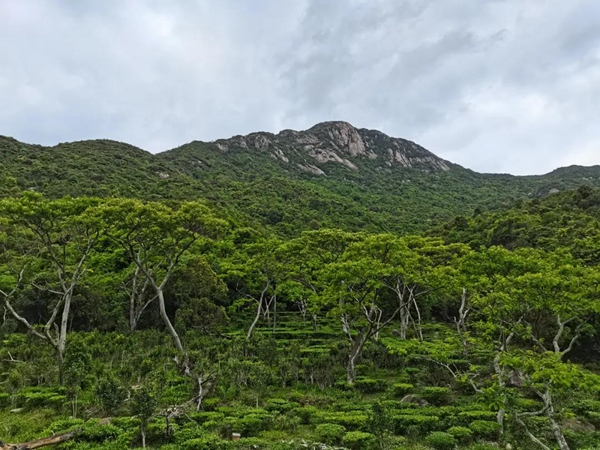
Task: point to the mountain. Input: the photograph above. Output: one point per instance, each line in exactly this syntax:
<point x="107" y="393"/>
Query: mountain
<point x="331" y="175"/>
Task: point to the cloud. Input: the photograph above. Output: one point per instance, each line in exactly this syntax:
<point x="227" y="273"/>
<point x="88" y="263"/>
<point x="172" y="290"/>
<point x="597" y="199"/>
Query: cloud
<point x="501" y="86"/>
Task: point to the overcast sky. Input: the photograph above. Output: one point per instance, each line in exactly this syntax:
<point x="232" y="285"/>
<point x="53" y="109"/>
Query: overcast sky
<point x="493" y="85"/>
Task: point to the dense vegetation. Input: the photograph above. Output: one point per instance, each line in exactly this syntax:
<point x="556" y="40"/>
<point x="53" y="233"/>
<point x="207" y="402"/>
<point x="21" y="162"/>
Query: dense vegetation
<point x="258" y="180"/>
<point x="174" y="324"/>
<point x="245" y="286"/>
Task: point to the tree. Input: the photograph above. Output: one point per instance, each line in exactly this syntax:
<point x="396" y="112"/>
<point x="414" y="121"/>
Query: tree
<point x="256" y="272"/>
<point x="57" y="237"/>
<point x="545" y="300"/>
<point x="143" y="405"/>
<point x="156" y="238"/>
<point x="304" y="260"/>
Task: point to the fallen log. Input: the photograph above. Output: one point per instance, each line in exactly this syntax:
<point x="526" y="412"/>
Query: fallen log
<point x="52" y="440"/>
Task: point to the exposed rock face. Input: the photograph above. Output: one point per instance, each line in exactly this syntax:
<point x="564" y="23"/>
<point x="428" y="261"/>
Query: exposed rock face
<point x="315" y="149"/>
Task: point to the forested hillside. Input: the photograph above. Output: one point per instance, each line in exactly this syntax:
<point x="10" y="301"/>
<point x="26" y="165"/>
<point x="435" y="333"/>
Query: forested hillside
<point x="330" y="176"/>
<point x="131" y="322"/>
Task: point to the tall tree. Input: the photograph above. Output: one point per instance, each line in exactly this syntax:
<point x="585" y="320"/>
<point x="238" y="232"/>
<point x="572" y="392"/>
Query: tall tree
<point x="156" y="237"/>
<point x="58" y="237"/>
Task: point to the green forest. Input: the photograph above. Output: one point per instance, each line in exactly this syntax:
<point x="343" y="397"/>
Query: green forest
<point x="166" y="322"/>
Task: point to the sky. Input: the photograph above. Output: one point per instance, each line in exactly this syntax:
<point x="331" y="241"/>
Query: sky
<point x="494" y="85"/>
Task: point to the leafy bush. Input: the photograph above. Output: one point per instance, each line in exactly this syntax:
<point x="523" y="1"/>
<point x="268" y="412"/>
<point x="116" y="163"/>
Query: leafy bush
<point x="469" y="416"/>
<point x="462" y="434"/>
<point x="483" y="446"/>
<point x="440" y="440"/>
<point x="437" y="395"/>
<point x="4" y="399"/>
<point x="209" y="442"/>
<point x="110" y="395"/>
<point x="485" y="429"/>
<point x="359" y="440"/>
<point x="414" y="424"/>
<point x="330" y="433"/>
<point x="210" y="404"/>
<point x="399" y="390"/>
<point x="306" y="413"/>
<point x="370" y="385"/>
<point x="281" y="405"/>
<point x="38" y="398"/>
<point x="585" y="406"/>
<point x="352" y="420"/>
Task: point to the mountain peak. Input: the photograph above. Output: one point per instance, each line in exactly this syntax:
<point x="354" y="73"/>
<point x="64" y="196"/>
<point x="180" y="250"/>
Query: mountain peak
<point x="326" y="144"/>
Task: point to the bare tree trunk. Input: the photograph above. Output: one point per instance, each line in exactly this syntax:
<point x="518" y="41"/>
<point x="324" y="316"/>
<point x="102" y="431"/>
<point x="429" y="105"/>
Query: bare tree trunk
<point x="556" y="429"/>
<point x="531" y="436"/>
<point x="461" y="322"/>
<point x="255" y="321"/>
<point x="167" y="321"/>
<point x="417" y="324"/>
<point x="53" y="440"/>
<point x="355" y="354"/>
<point x="501" y="384"/>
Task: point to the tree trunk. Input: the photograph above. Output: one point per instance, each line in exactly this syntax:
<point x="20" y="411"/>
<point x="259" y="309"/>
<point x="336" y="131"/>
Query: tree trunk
<point x="167" y="321"/>
<point x="354" y="356"/>
<point x="501" y="384"/>
<point x="556" y="429"/>
<point x="53" y="440"/>
<point x="255" y="321"/>
<point x="143" y="438"/>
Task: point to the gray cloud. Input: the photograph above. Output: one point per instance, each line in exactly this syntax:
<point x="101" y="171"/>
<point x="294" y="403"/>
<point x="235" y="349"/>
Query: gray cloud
<point x="502" y="86"/>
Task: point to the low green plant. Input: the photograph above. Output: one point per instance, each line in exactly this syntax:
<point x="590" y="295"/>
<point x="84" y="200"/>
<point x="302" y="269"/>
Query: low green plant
<point x="359" y="440"/>
<point x="462" y="434"/>
<point x="414" y="424"/>
<point x="370" y="385"/>
<point x="399" y="390"/>
<point x="437" y="395"/>
<point x="330" y="433"/>
<point x="441" y="440"/>
<point x="484" y="429"/>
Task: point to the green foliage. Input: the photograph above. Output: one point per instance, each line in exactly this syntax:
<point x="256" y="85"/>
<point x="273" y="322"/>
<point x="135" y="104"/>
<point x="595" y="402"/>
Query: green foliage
<point x="462" y="434"/>
<point x="484" y="429"/>
<point x="370" y="385"/>
<point x="441" y="441"/>
<point x="399" y="390"/>
<point x="414" y="423"/>
<point x="330" y="433"/>
<point x="359" y="440"/>
<point x="110" y="395"/>
<point x="436" y="395"/>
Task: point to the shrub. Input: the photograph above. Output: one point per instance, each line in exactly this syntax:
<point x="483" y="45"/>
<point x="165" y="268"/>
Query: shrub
<point x="370" y="385"/>
<point x="485" y="429"/>
<point x="352" y="420"/>
<point x="482" y="446"/>
<point x="585" y="406"/>
<point x="437" y="395"/>
<point x="440" y="440"/>
<point x="330" y="433"/>
<point x="359" y="440"/>
<point x="110" y="395"/>
<point x="281" y="405"/>
<point x="399" y="390"/>
<point x="286" y="422"/>
<point x="469" y="416"/>
<point x="414" y="424"/>
<point x="210" y="442"/>
<point x="210" y="404"/>
<point x="306" y="413"/>
<point x="462" y="434"/>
